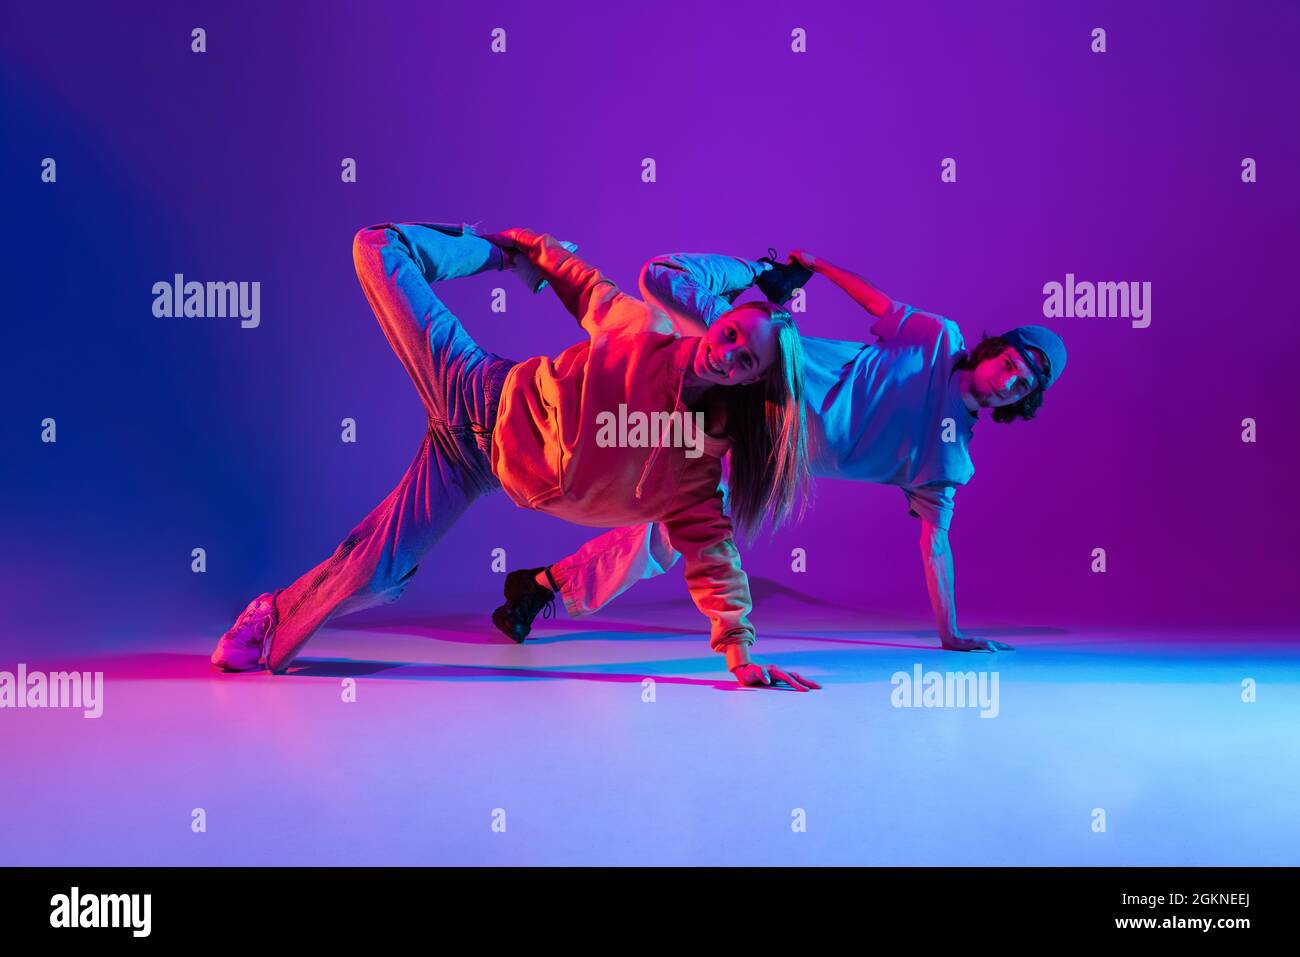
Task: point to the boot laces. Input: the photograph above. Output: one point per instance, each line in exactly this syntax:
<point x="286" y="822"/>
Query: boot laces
<point x="254" y="624"/>
<point x="547" y="605"/>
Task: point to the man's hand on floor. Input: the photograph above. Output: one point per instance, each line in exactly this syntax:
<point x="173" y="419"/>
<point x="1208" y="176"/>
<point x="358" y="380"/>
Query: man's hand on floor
<point x="961" y="642"/>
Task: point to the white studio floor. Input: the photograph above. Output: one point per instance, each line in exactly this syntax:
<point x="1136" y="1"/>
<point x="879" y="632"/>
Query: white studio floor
<point x="454" y="731"/>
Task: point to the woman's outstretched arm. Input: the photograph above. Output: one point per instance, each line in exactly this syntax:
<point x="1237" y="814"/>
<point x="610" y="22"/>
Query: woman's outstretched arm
<point x="720" y="589"/>
<point x="586" y="292"/>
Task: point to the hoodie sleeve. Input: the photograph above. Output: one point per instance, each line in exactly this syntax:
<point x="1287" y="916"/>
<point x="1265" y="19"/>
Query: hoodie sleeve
<point x="593" y="298"/>
<point x="718" y="584"/>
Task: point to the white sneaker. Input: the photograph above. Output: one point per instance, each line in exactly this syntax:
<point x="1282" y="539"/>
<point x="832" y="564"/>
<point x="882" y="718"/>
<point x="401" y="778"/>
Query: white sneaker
<point x="245" y="646"/>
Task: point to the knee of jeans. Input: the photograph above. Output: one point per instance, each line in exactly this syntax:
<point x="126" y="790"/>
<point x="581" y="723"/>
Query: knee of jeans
<point x="656" y="280"/>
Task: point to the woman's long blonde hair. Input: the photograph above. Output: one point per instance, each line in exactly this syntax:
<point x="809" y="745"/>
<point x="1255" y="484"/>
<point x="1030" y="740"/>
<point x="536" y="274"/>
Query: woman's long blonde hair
<point x="768" y="429"/>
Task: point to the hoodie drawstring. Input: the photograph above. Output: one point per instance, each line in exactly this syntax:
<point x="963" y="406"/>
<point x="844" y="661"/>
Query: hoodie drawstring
<point x="649" y="463"/>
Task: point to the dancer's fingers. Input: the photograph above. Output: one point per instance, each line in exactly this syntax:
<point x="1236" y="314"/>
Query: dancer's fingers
<point x="503" y="239"/>
<point x="779" y="675"/>
<point x="806" y="682"/>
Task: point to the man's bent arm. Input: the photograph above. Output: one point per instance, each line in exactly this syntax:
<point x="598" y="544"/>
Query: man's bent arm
<point x="863" y="293"/>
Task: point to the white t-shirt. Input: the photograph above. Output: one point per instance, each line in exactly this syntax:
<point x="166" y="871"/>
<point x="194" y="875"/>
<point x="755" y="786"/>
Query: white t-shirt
<point x="878" y="412"/>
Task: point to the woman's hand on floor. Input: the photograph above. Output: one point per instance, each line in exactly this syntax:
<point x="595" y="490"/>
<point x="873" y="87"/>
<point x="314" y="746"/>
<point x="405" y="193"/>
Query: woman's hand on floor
<point x="753" y="674"/>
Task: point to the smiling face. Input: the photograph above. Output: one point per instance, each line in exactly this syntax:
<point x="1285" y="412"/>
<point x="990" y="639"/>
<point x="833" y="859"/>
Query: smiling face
<point x="1003" y="379"/>
<point x="737" y="349"/>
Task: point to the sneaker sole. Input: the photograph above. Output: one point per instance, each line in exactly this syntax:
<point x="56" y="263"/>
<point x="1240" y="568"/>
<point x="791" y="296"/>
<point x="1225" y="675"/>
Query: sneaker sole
<point x="508" y="632"/>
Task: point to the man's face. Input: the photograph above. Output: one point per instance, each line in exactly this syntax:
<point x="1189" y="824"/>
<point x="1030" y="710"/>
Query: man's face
<point x="737" y="349"/>
<point x="1004" y="379"/>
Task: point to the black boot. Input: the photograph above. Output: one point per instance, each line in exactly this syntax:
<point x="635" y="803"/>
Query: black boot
<point x="779" y="283"/>
<point x="524" y="599"/>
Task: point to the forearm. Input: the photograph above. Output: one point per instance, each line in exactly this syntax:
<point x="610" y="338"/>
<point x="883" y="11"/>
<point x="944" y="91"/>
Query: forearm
<point x="575" y="282"/>
<point x="717" y="583"/>
<point x="720" y="590"/>
<point x="936" y="557"/>
<point x="862" y="292"/>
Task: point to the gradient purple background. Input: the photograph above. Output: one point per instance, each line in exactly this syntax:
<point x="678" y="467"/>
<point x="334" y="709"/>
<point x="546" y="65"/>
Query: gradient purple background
<point x="225" y="166"/>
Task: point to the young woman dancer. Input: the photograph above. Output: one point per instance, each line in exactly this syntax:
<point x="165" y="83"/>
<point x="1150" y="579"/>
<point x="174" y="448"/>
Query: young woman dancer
<point x="532" y="428"/>
<point x="898" y="411"/>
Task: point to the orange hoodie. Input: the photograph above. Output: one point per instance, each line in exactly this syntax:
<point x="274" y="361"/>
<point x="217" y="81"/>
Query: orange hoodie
<point x="546" y="454"/>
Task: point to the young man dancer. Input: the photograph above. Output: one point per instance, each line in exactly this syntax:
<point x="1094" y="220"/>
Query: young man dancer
<point x="898" y="411"/>
<point x="530" y="428"/>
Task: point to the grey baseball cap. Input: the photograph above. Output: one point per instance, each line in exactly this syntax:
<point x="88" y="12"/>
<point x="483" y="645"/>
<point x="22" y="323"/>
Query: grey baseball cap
<point x="1047" y="342"/>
